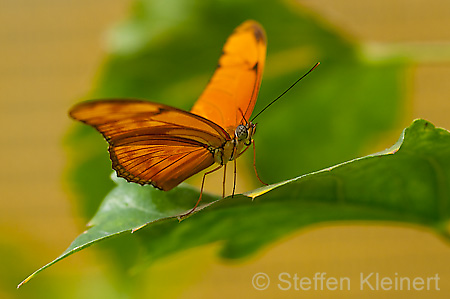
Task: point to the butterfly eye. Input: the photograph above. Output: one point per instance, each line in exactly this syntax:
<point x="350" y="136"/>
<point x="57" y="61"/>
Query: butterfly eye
<point x="241" y="132"/>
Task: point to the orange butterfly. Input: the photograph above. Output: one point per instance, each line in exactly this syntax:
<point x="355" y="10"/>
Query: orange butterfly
<point x="151" y="143"/>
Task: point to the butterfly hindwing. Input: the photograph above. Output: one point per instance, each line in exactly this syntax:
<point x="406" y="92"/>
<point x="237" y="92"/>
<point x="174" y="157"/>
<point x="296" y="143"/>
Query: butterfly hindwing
<point x="152" y="143"/>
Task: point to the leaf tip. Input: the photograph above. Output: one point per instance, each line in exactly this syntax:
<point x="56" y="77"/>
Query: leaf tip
<point x="25" y="280"/>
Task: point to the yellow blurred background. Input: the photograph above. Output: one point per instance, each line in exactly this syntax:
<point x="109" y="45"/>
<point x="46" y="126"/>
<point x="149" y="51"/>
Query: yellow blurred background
<point x="50" y="54"/>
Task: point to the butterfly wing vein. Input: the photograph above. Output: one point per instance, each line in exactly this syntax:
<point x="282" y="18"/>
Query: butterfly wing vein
<point x="150" y="143"/>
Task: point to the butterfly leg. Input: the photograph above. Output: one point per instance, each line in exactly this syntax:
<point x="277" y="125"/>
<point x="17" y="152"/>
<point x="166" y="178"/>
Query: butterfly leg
<point x="181" y="217"/>
<point x="254" y="163"/>
<point x="243" y="151"/>
<point x="223" y="182"/>
<point x="234" y="181"/>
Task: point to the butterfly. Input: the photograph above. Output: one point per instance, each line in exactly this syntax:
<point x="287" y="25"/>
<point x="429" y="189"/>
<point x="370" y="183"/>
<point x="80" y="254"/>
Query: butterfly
<point x="152" y="143"/>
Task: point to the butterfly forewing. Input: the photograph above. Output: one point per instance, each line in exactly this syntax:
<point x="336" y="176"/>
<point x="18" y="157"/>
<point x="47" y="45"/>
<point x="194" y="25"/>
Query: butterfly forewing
<point x="233" y="89"/>
<point x="152" y="143"/>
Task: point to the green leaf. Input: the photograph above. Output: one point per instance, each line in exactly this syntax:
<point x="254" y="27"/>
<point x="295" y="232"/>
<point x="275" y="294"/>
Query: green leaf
<point x="406" y="183"/>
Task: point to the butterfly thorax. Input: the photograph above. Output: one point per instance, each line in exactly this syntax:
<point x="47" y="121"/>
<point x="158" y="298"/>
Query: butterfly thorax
<point x="243" y="136"/>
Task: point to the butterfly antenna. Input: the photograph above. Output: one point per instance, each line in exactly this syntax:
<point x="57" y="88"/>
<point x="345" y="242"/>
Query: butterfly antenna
<point x="298" y="80"/>
<point x="243" y="117"/>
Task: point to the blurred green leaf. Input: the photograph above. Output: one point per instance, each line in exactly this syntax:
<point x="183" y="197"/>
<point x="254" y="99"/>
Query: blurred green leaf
<point x="406" y="183"/>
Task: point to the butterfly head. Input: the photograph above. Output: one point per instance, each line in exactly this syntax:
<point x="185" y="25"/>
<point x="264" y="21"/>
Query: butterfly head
<point x="244" y="133"/>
